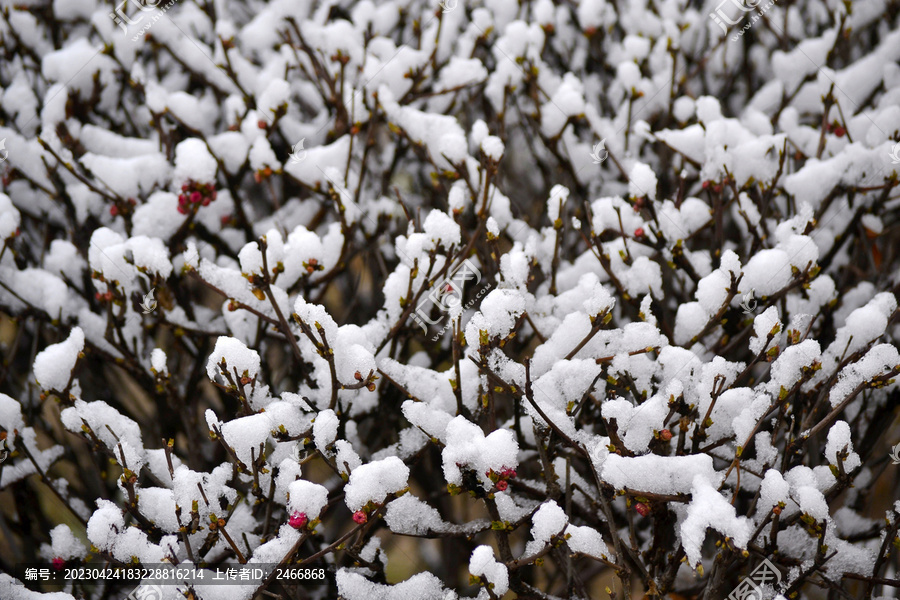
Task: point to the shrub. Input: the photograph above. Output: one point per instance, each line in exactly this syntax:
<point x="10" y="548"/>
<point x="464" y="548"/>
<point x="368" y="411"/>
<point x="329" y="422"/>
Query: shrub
<point x="500" y="299"/>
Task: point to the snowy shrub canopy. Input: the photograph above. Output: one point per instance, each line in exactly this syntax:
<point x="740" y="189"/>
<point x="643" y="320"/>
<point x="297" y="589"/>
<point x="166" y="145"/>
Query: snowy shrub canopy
<point x="473" y="299"/>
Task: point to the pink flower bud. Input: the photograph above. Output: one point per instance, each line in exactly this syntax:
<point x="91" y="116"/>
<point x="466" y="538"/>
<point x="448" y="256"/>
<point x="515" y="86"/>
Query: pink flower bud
<point x="642" y="509"/>
<point x="298" y="519"/>
<point x="182" y="210"/>
<point x="59" y="562"/>
<point x="182" y="200"/>
<point x="114" y="210"/>
<point x="502" y="485"/>
<point x="196" y="197"/>
<point x="360" y="517"/>
<point x="206" y="201"/>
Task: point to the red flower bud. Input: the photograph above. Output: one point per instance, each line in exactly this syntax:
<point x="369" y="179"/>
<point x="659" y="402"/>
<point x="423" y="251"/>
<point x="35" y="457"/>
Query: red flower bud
<point x="206" y="201"/>
<point x="639" y="232"/>
<point x="182" y="210"/>
<point x="182" y="200"/>
<point x="502" y="485"/>
<point x="59" y="562"/>
<point x="665" y="435"/>
<point x="839" y="131"/>
<point x="196" y="197"/>
<point x="298" y="519"/>
<point x="114" y="210"/>
<point x="706" y="184"/>
<point x="360" y="517"/>
<point x="261" y="124"/>
<point x="185" y="187"/>
<point x="642" y="509"/>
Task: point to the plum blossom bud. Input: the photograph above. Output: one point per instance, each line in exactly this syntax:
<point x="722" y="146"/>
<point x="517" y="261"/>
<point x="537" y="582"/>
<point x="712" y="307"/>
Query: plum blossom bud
<point x="298" y="519"/>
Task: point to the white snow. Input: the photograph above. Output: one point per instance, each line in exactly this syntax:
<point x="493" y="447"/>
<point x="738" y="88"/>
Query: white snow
<point x="839" y="441"/>
<point x="482" y="563"/>
<point x="325" y="430"/>
<point x="236" y="356"/>
<point x="658" y="474"/>
<point x="373" y="481"/>
<point x="710" y="509"/>
<point x="493" y="148"/>
<point x="467" y="446"/>
<point x="307" y="497"/>
<point x="193" y="161"/>
<point x="53" y="365"/>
